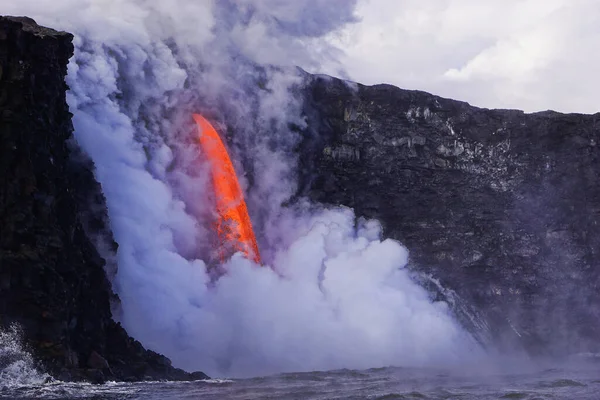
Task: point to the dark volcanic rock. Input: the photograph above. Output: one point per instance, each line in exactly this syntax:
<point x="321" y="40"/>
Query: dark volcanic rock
<point x="52" y="279"/>
<point x="502" y="206"/>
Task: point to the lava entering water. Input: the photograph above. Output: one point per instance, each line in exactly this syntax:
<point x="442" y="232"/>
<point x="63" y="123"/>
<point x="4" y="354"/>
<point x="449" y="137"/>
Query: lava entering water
<point x="234" y="228"/>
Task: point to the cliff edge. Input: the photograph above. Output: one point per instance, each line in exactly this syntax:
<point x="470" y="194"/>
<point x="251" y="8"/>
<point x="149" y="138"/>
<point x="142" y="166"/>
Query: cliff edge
<point x="501" y="206"/>
<point x="52" y="280"/>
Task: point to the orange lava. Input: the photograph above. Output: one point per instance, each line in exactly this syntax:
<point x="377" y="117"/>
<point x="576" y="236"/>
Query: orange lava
<point x="234" y="228"/>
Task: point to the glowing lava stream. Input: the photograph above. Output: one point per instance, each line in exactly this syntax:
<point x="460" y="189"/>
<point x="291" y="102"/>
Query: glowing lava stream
<point x="234" y="227"/>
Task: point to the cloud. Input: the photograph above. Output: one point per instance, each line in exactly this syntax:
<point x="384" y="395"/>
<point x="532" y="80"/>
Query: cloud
<point x="527" y="54"/>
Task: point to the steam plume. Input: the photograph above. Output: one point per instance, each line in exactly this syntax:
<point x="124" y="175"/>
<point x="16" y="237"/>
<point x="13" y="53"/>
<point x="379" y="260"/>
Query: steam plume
<point x="334" y="294"/>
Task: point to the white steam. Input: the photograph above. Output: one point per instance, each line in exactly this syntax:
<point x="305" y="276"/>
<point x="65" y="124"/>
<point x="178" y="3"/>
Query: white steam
<point x="333" y="295"/>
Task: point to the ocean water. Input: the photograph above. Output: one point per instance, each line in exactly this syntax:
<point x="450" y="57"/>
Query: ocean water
<point x="572" y="382"/>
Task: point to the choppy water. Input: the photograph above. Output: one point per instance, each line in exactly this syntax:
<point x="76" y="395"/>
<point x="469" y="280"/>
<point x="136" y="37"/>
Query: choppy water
<point x="582" y="382"/>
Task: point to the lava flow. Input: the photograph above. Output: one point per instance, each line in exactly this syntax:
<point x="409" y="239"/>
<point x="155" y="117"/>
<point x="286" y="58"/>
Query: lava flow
<point x="234" y="228"/>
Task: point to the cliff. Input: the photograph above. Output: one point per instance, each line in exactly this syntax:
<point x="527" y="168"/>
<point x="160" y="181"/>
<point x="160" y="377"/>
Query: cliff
<point x="52" y="280"/>
<point x="501" y="206"/>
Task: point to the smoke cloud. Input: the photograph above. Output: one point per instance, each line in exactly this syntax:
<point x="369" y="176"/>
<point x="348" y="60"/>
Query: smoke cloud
<point x="333" y="294"/>
<point x="527" y="54"/>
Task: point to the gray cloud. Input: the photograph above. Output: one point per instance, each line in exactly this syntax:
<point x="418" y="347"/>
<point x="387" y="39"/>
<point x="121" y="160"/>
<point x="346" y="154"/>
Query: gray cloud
<point x="532" y="54"/>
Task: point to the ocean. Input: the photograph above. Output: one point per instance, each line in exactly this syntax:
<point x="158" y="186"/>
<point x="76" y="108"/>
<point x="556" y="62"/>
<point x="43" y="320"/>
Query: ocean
<point x="568" y="382"/>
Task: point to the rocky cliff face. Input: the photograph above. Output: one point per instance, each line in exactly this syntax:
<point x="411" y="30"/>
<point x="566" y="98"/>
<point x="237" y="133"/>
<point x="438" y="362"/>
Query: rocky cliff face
<point x="52" y="279"/>
<point x="503" y="207"/>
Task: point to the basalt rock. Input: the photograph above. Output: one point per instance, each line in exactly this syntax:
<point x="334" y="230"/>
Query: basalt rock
<point x="501" y="207"/>
<point x="53" y="281"/>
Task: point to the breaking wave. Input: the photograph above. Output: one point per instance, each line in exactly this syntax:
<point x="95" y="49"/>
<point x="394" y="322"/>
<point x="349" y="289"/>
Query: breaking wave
<point x="17" y="366"/>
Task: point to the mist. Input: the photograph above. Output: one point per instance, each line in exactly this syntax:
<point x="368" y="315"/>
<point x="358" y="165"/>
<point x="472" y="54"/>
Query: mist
<point x="332" y="293"/>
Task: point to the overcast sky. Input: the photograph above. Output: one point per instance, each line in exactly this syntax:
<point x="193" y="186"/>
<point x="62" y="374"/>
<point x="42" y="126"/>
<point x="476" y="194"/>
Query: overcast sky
<point x="528" y="54"/>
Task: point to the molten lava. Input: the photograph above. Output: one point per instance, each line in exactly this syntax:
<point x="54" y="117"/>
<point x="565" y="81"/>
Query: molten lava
<point x="234" y="228"/>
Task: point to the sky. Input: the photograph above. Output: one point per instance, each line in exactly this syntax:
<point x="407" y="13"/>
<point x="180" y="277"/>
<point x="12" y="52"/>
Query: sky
<point x="533" y="55"/>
